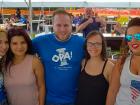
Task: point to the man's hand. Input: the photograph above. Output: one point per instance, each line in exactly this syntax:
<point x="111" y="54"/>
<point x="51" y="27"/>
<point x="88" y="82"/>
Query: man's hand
<point x="90" y="20"/>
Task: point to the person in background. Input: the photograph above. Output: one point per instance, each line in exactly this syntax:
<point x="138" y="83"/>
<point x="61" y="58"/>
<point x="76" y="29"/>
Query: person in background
<point x="18" y="13"/>
<point x="61" y="53"/>
<point x="118" y="29"/>
<point x="22" y="19"/>
<point x="24" y="76"/>
<point x="96" y="71"/>
<point x="3" y="50"/>
<point x="89" y="23"/>
<point x="27" y="23"/>
<point x="8" y="24"/>
<point x="1" y="19"/>
<point x="104" y="23"/>
<point x="125" y="83"/>
<point x="12" y="18"/>
<point x="75" y="21"/>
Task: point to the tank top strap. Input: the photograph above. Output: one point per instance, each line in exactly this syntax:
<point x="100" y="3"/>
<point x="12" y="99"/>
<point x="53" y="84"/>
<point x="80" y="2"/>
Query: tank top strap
<point x="104" y="66"/>
<point x="85" y="64"/>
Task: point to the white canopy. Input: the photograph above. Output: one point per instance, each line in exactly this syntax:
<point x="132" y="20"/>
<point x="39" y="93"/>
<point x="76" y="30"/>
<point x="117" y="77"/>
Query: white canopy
<point x="73" y="3"/>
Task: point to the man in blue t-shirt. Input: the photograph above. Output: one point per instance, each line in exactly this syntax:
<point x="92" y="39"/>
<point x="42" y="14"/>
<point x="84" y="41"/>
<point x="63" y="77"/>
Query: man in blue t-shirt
<point x="76" y="19"/>
<point x="89" y="23"/>
<point x="23" y="20"/>
<point x="61" y="53"/>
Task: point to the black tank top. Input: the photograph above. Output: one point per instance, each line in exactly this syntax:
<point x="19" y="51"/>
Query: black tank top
<point x="92" y="89"/>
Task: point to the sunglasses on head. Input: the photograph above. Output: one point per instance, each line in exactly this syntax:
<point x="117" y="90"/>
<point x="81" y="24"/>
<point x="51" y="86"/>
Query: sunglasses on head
<point x="129" y="38"/>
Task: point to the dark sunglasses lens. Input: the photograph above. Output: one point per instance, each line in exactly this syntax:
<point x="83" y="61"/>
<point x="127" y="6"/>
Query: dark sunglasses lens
<point x="137" y="36"/>
<point x="128" y="38"/>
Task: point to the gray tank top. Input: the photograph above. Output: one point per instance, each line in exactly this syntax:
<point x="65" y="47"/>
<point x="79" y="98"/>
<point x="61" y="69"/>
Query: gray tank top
<point x="129" y="92"/>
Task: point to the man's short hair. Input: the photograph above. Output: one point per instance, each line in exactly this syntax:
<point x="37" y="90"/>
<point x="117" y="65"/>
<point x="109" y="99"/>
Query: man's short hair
<point x="61" y="11"/>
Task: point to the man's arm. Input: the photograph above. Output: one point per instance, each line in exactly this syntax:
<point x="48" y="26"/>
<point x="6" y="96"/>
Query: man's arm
<point x="84" y="25"/>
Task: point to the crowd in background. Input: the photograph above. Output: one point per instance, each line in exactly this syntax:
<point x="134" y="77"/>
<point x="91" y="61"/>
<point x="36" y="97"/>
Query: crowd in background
<point x="76" y="21"/>
<point x="15" y="18"/>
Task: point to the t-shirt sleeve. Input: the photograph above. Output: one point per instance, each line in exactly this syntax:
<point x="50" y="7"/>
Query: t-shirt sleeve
<point x="82" y="21"/>
<point x="34" y="44"/>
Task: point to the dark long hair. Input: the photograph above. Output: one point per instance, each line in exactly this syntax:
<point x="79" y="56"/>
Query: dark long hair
<point x="132" y="22"/>
<point x="124" y="49"/>
<point x="18" y="32"/>
<point x="2" y="59"/>
<point x="103" y="52"/>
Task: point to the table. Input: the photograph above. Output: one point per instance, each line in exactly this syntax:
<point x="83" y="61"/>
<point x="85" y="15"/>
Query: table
<point x="37" y="21"/>
<point x="48" y="28"/>
<point x="2" y="26"/>
<point x="106" y="35"/>
<point x="18" y="24"/>
<point x="109" y="36"/>
<point x="35" y="24"/>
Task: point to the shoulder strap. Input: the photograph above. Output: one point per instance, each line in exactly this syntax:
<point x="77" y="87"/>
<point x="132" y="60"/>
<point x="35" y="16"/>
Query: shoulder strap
<point x="85" y="64"/>
<point x="104" y="66"/>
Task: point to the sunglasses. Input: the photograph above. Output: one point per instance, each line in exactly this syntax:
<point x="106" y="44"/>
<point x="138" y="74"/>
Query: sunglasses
<point x="129" y="38"/>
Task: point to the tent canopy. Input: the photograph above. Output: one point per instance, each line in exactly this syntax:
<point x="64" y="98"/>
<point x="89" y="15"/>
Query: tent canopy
<point x="72" y="3"/>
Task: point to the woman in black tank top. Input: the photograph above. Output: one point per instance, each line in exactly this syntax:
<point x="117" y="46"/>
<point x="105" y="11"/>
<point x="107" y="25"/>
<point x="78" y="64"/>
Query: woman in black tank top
<point x="96" y="71"/>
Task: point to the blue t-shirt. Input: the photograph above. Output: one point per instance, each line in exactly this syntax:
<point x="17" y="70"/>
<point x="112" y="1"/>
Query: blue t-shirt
<point x="90" y="27"/>
<point x="76" y="20"/>
<point x="22" y="20"/>
<point x="62" y="62"/>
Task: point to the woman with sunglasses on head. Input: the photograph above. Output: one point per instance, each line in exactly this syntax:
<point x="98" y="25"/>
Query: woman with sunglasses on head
<point x="3" y="50"/>
<point x="125" y="83"/>
<point x="96" y="71"/>
<point x="24" y="76"/>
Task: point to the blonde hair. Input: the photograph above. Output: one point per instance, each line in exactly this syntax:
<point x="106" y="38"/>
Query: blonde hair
<point x="3" y="31"/>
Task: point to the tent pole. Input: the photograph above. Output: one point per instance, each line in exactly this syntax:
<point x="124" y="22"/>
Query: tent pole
<point x="30" y="18"/>
<point x="2" y="10"/>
